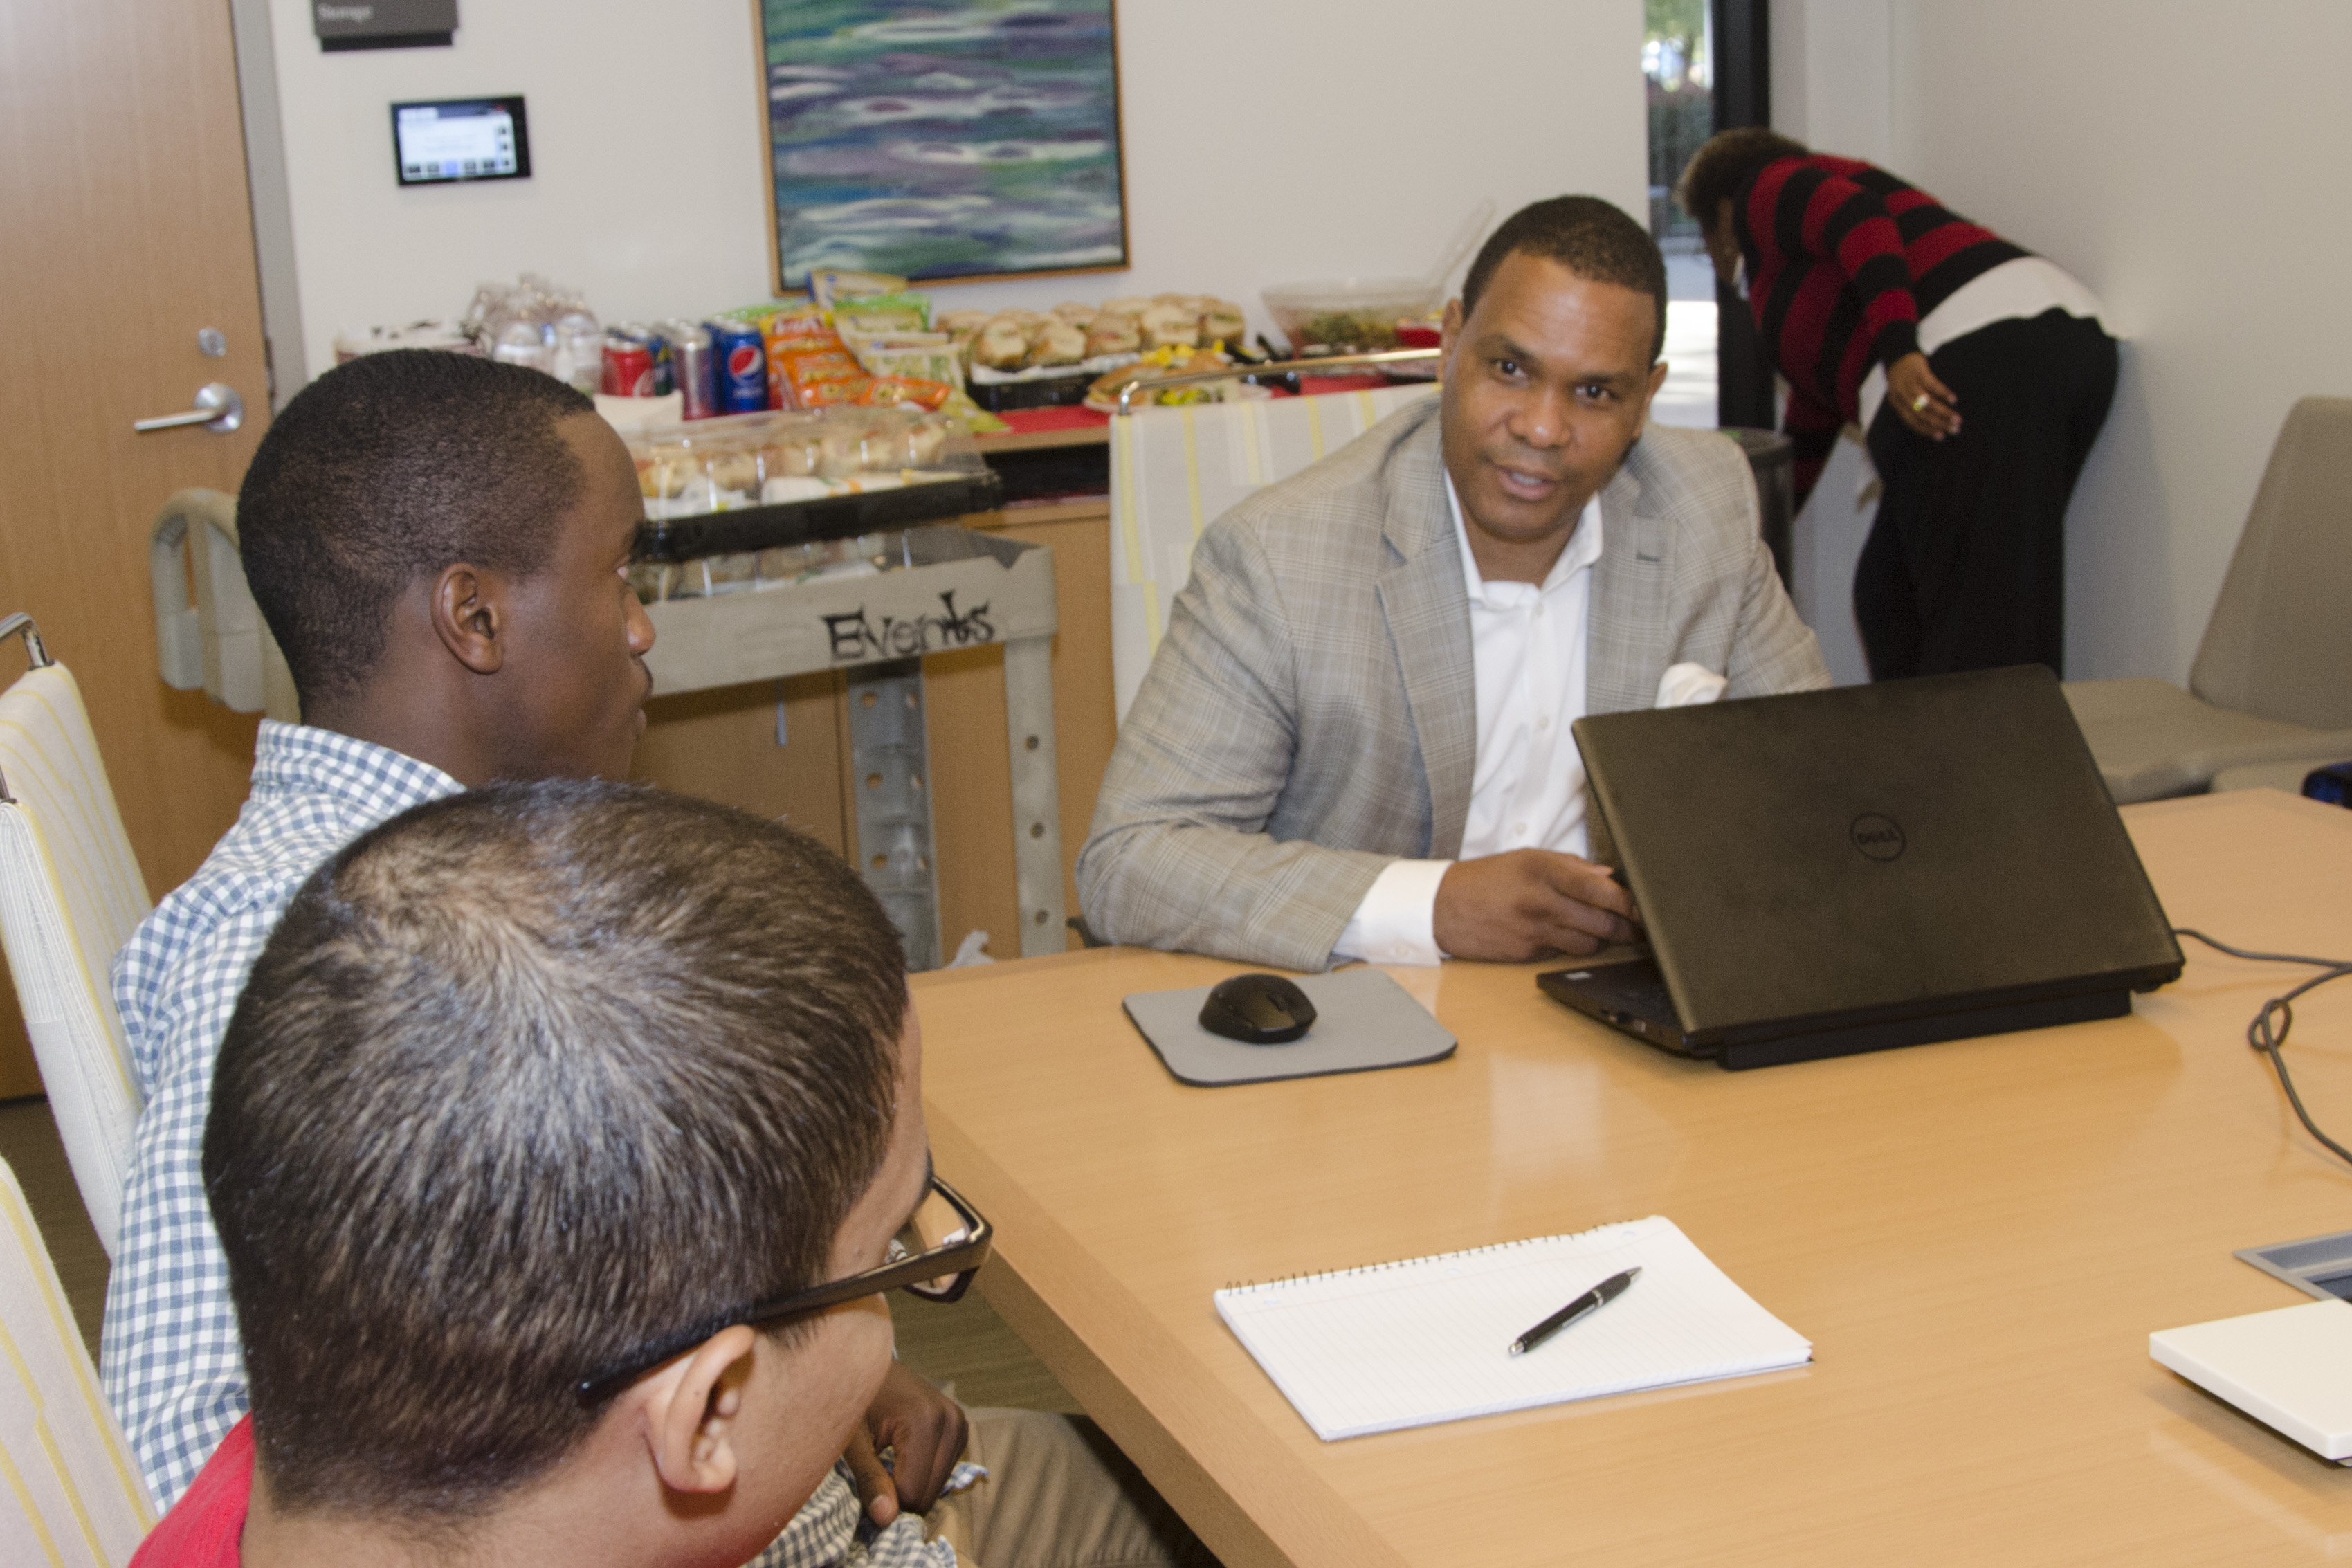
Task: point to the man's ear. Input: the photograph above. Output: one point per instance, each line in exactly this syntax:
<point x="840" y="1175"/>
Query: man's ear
<point x="1449" y="331"/>
<point x="690" y="1408"/>
<point x="469" y="610"/>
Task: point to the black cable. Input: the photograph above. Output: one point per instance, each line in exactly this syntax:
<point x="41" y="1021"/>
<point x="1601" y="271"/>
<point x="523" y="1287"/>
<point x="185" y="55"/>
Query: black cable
<point x="2264" y="1037"/>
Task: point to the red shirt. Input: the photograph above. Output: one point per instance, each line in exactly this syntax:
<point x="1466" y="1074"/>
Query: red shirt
<point x="206" y="1526"/>
<point x="1843" y="261"/>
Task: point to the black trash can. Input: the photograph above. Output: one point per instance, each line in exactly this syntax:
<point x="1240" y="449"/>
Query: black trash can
<point x="1774" y="460"/>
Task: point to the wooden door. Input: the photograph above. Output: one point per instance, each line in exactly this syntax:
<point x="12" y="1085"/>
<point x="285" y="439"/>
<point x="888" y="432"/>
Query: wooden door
<point x="127" y="231"/>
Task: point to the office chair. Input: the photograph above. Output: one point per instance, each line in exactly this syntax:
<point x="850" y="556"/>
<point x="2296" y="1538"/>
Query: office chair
<point x="70" y="896"/>
<point x="75" y="1495"/>
<point x="1173" y="471"/>
<point x="2273" y="680"/>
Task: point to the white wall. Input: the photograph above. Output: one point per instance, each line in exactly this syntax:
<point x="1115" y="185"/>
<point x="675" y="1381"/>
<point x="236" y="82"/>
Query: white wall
<point x="649" y="198"/>
<point x="1832" y="63"/>
<point x="1831" y="60"/>
<point x="2184" y="162"/>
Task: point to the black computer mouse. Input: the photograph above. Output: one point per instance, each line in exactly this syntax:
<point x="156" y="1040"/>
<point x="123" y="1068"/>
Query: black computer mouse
<point x="1257" y="1010"/>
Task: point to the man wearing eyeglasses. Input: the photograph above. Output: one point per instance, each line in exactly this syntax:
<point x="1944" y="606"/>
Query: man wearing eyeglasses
<point x="562" y="1147"/>
<point x="438" y="544"/>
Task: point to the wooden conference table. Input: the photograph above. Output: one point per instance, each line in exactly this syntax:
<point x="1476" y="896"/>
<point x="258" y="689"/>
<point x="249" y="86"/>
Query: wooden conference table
<point x="1978" y="1236"/>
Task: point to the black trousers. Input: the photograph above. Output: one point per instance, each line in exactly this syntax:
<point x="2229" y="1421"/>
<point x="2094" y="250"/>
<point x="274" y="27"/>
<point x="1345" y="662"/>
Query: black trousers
<point x="1966" y="566"/>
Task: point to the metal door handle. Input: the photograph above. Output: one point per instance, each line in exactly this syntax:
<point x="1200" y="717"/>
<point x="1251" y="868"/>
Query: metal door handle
<point x="218" y="408"/>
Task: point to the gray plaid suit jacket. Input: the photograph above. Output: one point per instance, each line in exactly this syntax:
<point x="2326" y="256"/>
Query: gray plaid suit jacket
<point x="1310" y="715"/>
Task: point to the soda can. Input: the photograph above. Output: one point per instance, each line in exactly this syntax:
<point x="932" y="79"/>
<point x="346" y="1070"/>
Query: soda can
<point x="656" y="340"/>
<point x="742" y="364"/>
<point x="655" y="344"/>
<point x="693" y="369"/>
<point x="628" y="368"/>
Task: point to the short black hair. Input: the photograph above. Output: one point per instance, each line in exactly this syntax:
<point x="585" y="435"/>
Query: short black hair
<point x="1724" y="165"/>
<point x="1591" y="238"/>
<point x="526" y="1079"/>
<point x="383" y="471"/>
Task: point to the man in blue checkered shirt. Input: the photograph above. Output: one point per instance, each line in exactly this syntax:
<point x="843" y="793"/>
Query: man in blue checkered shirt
<point x="439" y="545"/>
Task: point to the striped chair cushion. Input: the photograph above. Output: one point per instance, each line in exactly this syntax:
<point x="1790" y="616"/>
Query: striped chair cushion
<point x="69" y="1493"/>
<point x="1173" y="471"/>
<point x="70" y="896"/>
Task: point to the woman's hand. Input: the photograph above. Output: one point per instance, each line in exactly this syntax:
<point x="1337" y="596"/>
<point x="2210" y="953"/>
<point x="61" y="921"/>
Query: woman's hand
<point x="1921" y="401"/>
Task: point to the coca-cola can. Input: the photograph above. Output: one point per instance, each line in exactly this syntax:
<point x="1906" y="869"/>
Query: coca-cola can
<point x="628" y="368"/>
<point x="694" y="369"/>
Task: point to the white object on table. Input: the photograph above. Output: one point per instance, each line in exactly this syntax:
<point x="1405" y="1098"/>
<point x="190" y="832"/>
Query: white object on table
<point x="2290" y="1369"/>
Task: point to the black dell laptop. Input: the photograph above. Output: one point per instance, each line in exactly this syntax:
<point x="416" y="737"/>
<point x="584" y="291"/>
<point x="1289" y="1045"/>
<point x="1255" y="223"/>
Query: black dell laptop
<point x="1876" y="866"/>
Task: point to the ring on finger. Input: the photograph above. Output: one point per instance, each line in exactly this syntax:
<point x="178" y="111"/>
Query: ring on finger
<point x="1919" y="404"/>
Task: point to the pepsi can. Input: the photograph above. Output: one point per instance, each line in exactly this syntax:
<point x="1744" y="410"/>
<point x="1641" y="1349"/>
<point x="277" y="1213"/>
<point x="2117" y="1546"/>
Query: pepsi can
<point x="742" y="364"/>
<point x="693" y="369"/>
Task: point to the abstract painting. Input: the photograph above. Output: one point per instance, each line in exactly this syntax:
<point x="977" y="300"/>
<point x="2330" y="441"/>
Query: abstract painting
<point x="943" y="140"/>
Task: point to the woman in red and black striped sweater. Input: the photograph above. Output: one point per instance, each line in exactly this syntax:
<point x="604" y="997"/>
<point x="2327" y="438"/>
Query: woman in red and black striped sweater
<point x="1884" y="310"/>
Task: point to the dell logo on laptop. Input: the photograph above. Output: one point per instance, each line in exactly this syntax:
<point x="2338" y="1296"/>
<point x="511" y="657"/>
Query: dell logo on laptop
<point x="1876" y="836"/>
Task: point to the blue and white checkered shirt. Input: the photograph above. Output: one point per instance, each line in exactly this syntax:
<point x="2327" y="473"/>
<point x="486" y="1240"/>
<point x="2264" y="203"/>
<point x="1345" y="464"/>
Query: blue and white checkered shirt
<point x="169" y="1352"/>
<point x="174" y="1369"/>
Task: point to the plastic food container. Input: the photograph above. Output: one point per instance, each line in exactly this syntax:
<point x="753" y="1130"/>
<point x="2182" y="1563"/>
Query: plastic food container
<point x="1348" y="313"/>
<point x="724" y="495"/>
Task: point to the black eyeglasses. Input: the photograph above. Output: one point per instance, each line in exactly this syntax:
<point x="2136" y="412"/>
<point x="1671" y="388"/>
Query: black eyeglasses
<point x="955" y="1240"/>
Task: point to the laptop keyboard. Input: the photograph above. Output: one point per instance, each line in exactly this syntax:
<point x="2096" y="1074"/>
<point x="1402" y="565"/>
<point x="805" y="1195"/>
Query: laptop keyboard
<point x="1635" y="987"/>
<point x="1632" y="996"/>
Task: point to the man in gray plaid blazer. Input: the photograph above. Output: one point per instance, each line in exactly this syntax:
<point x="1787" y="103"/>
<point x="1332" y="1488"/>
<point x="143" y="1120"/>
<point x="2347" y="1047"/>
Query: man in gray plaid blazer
<point x="1313" y="717"/>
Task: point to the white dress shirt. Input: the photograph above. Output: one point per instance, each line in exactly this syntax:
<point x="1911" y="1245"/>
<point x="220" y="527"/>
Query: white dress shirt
<point x="1527" y="790"/>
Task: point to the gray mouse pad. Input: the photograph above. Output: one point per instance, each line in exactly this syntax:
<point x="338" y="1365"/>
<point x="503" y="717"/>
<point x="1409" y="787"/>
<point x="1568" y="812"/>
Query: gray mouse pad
<point x="1363" y="1021"/>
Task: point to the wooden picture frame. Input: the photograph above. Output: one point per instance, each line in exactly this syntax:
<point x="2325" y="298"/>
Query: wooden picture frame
<point x="974" y="141"/>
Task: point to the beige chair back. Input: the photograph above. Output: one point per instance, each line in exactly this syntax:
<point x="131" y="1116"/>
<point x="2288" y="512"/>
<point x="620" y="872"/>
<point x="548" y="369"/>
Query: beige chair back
<point x="1173" y="471"/>
<point x="2276" y="645"/>
<point x="70" y="896"/>
<point x="70" y="1494"/>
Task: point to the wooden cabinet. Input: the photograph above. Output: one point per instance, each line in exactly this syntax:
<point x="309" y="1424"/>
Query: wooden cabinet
<point x="781" y="748"/>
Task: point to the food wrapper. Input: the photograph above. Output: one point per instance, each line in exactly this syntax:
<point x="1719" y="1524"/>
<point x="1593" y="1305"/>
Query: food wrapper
<point x="918" y="356"/>
<point x="828" y="284"/>
<point x="883" y="313"/>
<point x="818" y="375"/>
<point x="894" y="391"/>
<point x="756" y="314"/>
<point x="803" y="350"/>
<point x="794" y="323"/>
<point x="969" y="417"/>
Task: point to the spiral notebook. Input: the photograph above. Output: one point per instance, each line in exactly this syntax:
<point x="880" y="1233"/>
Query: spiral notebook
<point x="1414" y="1343"/>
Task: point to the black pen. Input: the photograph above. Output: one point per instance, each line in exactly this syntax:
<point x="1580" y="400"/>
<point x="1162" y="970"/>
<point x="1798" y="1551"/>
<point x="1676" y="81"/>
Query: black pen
<point x="1593" y="1300"/>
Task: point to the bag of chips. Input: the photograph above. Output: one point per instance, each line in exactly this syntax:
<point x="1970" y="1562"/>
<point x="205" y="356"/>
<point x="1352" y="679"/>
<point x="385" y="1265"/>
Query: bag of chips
<point x="813" y="373"/>
<point x="897" y="391"/>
